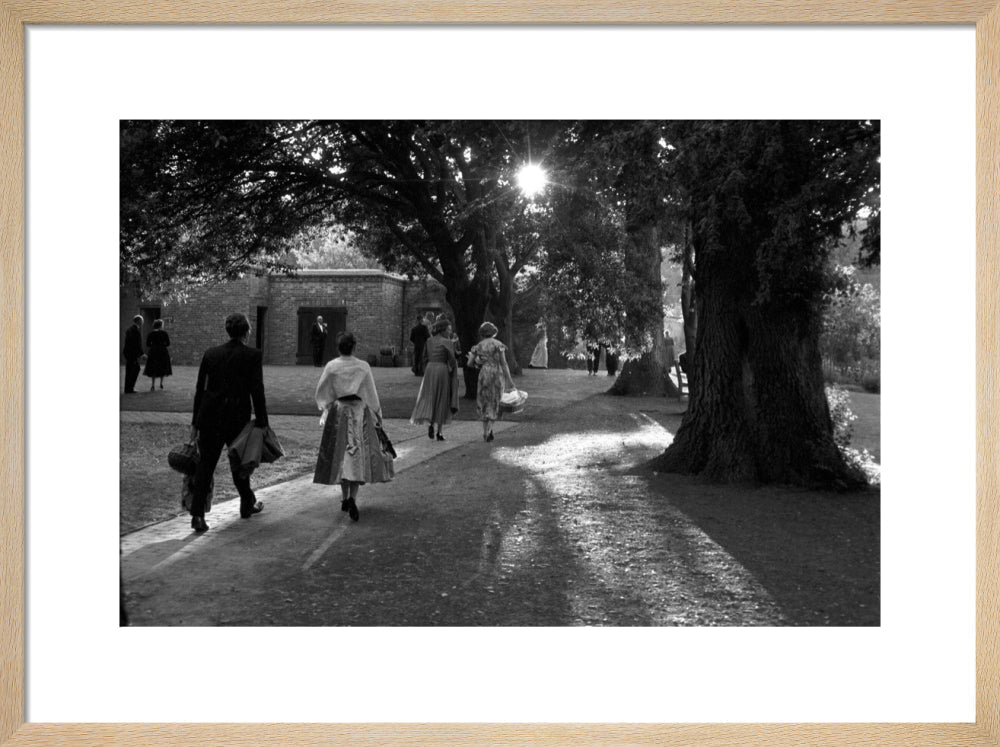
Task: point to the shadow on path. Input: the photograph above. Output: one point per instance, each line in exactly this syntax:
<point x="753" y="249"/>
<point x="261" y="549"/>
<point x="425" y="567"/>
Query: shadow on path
<point x="556" y="523"/>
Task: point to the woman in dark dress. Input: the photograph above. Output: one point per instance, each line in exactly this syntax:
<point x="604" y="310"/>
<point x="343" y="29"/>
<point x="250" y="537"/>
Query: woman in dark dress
<point x="157" y="355"/>
<point x="437" y="400"/>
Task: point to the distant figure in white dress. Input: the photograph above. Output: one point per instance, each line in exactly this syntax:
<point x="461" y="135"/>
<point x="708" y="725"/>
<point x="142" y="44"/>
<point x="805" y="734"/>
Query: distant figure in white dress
<point x="540" y="357"/>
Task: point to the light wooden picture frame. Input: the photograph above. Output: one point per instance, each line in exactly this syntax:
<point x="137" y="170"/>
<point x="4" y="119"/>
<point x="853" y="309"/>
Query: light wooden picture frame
<point x="15" y="15"/>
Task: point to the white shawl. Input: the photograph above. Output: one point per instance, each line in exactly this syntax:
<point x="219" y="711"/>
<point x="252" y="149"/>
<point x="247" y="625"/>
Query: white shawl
<point x="344" y="376"/>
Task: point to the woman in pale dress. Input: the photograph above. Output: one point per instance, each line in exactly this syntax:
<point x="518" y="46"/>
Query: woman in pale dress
<point x="540" y="356"/>
<point x="437" y="399"/>
<point x="350" y="452"/>
<point x="489" y="355"/>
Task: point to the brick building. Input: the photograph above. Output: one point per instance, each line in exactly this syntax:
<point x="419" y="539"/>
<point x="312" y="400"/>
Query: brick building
<point x="377" y="306"/>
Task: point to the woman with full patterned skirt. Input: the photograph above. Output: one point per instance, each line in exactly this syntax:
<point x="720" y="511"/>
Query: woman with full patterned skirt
<point x="350" y="452"/>
<point x="489" y="354"/>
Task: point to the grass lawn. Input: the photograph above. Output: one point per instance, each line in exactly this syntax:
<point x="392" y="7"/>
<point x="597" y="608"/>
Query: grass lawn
<point x="867" y="428"/>
<point x="150" y="491"/>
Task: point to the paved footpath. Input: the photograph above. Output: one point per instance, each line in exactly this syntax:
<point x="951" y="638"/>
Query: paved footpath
<point x="160" y="545"/>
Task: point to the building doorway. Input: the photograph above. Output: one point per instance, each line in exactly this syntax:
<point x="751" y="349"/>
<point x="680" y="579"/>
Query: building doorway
<point x="150" y="314"/>
<point x="336" y="322"/>
<point x="261" y="321"/>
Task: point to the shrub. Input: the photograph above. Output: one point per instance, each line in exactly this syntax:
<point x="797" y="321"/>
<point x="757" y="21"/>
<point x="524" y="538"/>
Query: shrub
<point x="871" y="381"/>
<point x="832" y="374"/>
<point x="843" y="419"/>
<point x="852" y="321"/>
<point x="841" y="414"/>
<point x="865" y="373"/>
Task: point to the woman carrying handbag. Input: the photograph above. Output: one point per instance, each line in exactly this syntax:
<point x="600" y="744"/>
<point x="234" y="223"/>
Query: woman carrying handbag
<point x="350" y="451"/>
<point x="489" y="355"/>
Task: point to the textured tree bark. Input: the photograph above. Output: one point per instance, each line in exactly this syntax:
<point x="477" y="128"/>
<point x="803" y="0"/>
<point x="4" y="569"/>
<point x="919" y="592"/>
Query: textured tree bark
<point x="687" y="302"/>
<point x="649" y="374"/>
<point x="758" y="413"/>
<point x="469" y="304"/>
<point x="503" y="309"/>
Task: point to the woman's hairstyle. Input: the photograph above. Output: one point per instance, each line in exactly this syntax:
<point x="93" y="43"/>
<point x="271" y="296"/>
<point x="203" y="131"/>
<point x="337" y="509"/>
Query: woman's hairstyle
<point x="158" y="324"/>
<point x="487" y="329"/>
<point x="237" y="326"/>
<point x="440" y="326"/>
<point x="346" y="343"/>
<point x="138" y="318"/>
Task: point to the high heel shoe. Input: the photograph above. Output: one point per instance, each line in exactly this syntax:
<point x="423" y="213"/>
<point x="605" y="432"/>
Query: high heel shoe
<point x="430" y="432"/>
<point x="440" y="437"/>
<point x="490" y="437"/>
<point x="345" y="504"/>
<point x="198" y="524"/>
<point x="352" y="510"/>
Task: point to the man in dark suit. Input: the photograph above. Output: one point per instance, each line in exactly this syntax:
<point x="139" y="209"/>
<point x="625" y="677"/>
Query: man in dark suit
<point x="317" y="336"/>
<point x="419" y="336"/>
<point x="132" y="353"/>
<point x="230" y="379"/>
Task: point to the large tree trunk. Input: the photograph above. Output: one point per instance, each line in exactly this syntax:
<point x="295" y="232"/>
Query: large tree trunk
<point x="687" y="303"/>
<point x="758" y="412"/>
<point x="503" y="311"/>
<point x="469" y="304"/>
<point x="649" y="374"/>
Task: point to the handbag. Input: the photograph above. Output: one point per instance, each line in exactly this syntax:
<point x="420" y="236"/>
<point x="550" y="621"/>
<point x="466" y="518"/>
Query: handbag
<point x="512" y="402"/>
<point x="184" y="458"/>
<point x="384" y="442"/>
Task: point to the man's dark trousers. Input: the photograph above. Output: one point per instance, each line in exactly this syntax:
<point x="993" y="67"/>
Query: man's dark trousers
<point x="132" y="369"/>
<point x="210" y="445"/>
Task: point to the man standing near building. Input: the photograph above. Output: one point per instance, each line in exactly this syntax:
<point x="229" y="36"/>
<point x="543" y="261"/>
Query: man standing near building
<point x="419" y="336"/>
<point x="230" y="379"/>
<point x="317" y="336"/>
<point x="132" y="353"/>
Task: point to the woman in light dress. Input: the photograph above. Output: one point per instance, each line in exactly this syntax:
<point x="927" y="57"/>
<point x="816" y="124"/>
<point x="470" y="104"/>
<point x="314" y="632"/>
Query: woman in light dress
<point x="540" y="356"/>
<point x="489" y="355"/>
<point x="350" y="452"/>
<point x="437" y="399"/>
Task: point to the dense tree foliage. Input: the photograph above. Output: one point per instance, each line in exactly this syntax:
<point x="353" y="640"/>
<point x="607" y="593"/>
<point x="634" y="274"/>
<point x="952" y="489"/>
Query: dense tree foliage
<point x="611" y="223"/>
<point x="328" y="246"/>
<point x="216" y="199"/>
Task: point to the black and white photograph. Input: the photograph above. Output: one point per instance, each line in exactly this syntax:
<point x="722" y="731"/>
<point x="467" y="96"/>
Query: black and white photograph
<point x="500" y="373"/>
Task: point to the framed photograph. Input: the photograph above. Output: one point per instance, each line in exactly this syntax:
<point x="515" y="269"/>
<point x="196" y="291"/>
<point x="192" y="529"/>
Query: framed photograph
<point x="71" y="75"/>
